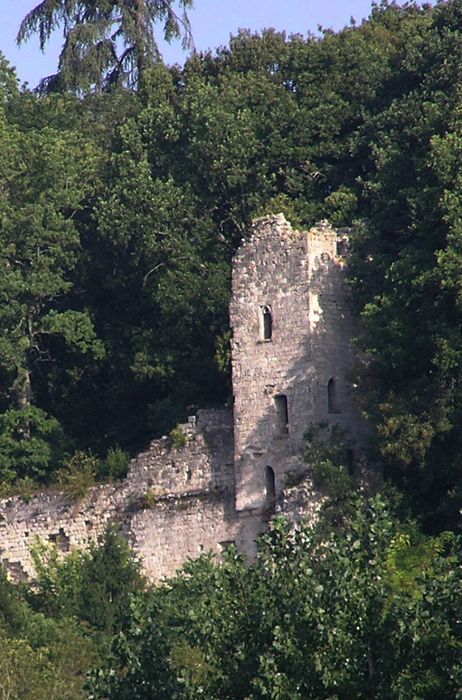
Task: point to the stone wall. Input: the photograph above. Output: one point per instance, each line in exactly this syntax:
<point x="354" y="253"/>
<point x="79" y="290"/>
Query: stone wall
<point x="205" y="462"/>
<point x="174" y="504"/>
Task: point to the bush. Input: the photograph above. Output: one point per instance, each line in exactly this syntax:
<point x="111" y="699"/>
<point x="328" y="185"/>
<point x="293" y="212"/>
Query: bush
<point x="78" y="474"/>
<point x="24" y="488"/>
<point x="178" y="438"/>
<point x="115" y="465"/>
<point x="147" y="500"/>
<point x="329" y="456"/>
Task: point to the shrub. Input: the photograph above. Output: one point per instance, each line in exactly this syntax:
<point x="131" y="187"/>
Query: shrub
<point x="115" y="465"/>
<point x="78" y="474"/>
<point x="147" y="500"/>
<point x="24" y="488"/>
<point x="329" y="457"/>
<point x="294" y="478"/>
<point x="178" y="438"/>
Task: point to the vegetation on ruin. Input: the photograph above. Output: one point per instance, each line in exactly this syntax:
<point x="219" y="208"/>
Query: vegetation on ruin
<point x="125" y="187"/>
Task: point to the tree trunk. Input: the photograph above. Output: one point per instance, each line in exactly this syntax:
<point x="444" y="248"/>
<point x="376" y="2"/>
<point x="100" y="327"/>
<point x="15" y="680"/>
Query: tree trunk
<point x="22" y="395"/>
<point x="22" y="390"/>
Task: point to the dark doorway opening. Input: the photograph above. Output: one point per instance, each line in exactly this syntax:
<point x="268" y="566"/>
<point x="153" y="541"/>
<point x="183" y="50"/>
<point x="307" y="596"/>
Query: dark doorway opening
<point x="270" y="485"/>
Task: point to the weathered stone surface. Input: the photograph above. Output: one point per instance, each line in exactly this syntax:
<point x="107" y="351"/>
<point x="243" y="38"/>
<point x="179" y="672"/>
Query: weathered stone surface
<point x="300" y="278"/>
<point x="174" y="504"/>
<point x="292" y="352"/>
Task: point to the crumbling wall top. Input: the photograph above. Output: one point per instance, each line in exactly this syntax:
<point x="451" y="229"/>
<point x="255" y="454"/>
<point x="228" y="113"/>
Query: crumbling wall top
<point x="267" y="225"/>
<point x="276" y="227"/>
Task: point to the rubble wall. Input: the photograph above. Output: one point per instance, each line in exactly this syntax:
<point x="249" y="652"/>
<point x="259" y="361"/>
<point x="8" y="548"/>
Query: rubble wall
<point x="175" y="503"/>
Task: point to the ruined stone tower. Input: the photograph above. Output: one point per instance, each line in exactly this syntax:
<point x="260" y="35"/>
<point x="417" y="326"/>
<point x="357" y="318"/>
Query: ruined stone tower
<point x="292" y="351"/>
<point x="292" y="357"/>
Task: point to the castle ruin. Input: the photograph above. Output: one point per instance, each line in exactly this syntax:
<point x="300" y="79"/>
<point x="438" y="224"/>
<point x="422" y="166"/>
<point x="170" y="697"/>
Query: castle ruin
<point x="292" y="363"/>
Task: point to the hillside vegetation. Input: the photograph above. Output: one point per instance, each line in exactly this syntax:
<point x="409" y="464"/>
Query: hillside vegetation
<point x="123" y="196"/>
<point x="121" y="210"/>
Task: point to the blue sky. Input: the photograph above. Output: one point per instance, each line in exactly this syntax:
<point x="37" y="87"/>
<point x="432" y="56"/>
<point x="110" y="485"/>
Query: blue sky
<point x="213" y="21"/>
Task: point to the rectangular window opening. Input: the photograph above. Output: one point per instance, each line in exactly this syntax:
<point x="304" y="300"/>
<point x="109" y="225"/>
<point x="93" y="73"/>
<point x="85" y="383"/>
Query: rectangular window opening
<point x="282" y="414"/>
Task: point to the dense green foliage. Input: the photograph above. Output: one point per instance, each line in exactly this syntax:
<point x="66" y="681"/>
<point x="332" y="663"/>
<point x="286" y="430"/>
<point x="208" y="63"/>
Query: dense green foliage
<point x="123" y="196"/>
<point x="52" y="633"/>
<point x="94" y="586"/>
<point x="371" y="610"/>
<point x="367" y="608"/>
<point x="120" y="213"/>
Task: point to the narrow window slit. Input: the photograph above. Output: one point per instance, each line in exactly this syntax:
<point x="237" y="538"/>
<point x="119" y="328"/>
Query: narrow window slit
<point x="267" y="323"/>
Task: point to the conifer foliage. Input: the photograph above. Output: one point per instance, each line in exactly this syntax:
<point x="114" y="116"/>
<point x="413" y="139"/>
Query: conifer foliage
<point x="106" y="42"/>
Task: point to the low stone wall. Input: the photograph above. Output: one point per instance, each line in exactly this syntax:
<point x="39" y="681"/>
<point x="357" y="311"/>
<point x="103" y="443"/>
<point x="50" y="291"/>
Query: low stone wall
<point x="53" y="517"/>
<point x="181" y="528"/>
<point x="205" y="461"/>
<point x="175" y="503"/>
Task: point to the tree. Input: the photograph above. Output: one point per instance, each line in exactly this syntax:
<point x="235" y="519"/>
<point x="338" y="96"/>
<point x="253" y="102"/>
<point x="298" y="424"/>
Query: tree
<point x="8" y="79"/>
<point x="109" y="578"/>
<point x="93" y="586"/>
<point x="368" y="610"/>
<point x="40" y="657"/>
<point x="157" y="281"/>
<point x="405" y="260"/>
<point x="45" y="175"/>
<point x="106" y="42"/>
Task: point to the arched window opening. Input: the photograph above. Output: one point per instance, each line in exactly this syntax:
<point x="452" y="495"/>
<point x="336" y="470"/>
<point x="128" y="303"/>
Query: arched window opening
<point x="332" y="398"/>
<point x="267" y="323"/>
<point x="270" y="485"/>
<point x="282" y="414"/>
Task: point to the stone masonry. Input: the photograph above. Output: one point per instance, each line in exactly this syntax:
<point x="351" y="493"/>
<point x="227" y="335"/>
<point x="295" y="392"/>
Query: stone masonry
<point x="292" y="362"/>
<point x="302" y="373"/>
